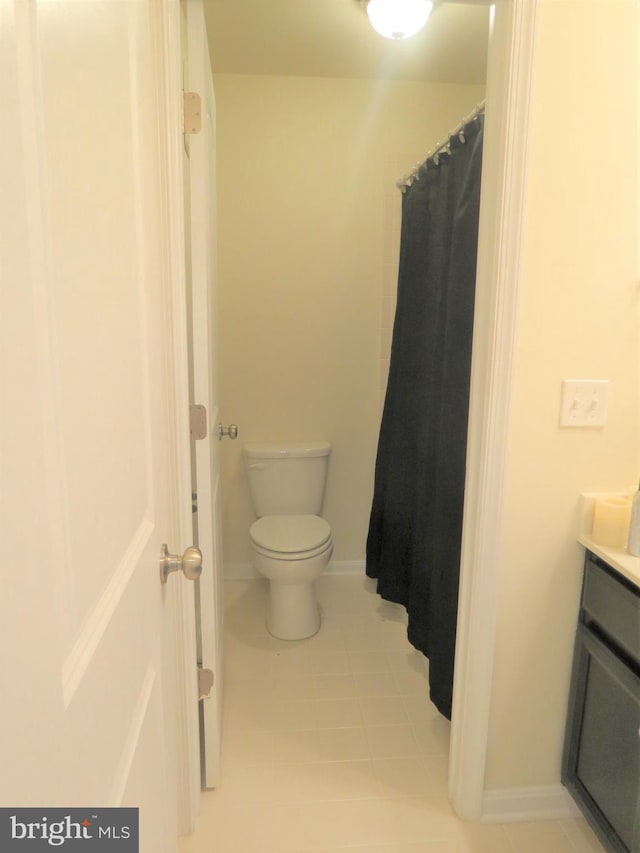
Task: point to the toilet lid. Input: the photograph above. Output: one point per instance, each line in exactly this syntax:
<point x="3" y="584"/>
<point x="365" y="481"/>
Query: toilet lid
<point x="290" y="534"/>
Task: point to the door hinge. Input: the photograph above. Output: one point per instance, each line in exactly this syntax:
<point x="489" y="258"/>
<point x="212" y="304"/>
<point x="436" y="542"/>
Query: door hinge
<point x="205" y="683"/>
<point x="198" y="422"/>
<point x="194" y="502"/>
<point x="192" y="112"/>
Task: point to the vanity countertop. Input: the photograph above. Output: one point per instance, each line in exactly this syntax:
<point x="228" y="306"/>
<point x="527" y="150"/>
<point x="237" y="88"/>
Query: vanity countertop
<point x="628" y="566"/>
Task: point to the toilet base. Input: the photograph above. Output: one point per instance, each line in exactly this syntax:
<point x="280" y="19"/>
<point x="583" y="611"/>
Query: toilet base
<point x="292" y="611"/>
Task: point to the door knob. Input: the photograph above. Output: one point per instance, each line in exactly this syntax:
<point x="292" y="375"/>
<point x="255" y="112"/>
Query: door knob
<point x="190" y="563"/>
<point x="231" y="431"/>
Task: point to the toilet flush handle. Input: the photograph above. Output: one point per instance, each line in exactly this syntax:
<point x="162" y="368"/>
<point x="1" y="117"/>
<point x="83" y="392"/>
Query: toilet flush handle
<point x="258" y="465"/>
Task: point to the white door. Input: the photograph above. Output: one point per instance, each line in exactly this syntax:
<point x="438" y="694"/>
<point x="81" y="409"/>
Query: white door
<point x="87" y="444"/>
<point x="201" y="237"/>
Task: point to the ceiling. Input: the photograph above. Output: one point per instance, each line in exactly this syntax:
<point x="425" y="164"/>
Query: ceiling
<point x="333" y="38"/>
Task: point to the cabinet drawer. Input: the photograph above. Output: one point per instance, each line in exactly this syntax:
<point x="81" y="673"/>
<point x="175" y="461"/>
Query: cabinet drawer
<point x="612" y="605"/>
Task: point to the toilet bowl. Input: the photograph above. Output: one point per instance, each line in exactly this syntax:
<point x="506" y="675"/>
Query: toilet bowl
<point x="291" y="551"/>
<point x="291" y="544"/>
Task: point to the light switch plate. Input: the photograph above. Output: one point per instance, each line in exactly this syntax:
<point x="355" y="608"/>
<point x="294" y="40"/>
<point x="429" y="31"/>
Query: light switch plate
<point x="584" y="402"/>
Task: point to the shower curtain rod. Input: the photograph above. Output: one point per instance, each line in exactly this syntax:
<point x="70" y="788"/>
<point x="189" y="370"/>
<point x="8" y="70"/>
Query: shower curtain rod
<point x="407" y="180"/>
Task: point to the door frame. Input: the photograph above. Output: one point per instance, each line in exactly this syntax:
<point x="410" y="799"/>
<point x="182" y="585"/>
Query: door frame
<point x="511" y="71"/>
<point x="504" y="181"/>
<point x="185" y="742"/>
<point x="200" y="169"/>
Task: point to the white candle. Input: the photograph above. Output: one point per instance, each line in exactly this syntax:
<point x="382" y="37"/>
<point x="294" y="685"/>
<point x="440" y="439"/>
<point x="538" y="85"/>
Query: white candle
<point x="611" y="522"/>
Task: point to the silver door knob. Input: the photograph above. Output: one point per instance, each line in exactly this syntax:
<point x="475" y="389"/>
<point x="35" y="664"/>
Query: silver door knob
<point x="190" y="563"/>
<point x="231" y="431"/>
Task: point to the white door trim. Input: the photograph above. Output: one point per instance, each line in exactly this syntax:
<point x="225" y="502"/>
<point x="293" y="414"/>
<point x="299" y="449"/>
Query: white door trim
<point x="500" y="237"/>
<point x="510" y="74"/>
<point x="186" y="740"/>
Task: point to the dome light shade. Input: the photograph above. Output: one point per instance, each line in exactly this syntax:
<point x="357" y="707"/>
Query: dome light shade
<point x="398" y="19"/>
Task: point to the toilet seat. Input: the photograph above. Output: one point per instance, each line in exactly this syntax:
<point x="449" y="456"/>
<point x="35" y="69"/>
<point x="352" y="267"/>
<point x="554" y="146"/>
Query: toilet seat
<point x="291" y="537"/>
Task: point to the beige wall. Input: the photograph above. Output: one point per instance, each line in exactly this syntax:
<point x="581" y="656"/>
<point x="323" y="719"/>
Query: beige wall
<point x="578" y="319"/>
<point x="308" y="232"/>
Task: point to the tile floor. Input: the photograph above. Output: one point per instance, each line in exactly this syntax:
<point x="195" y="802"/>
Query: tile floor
<point x="331" y="743"/>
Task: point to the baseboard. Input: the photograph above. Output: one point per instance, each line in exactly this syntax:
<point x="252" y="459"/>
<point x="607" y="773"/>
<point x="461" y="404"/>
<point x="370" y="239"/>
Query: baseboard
<point x="240" y="572"/>
<point x="549" y="802"/>
<point x="345" y="567"/>
<point x="246" y="572"/>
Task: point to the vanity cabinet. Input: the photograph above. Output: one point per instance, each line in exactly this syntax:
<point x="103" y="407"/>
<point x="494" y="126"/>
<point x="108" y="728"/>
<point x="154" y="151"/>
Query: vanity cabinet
<point x="601" y="761"/>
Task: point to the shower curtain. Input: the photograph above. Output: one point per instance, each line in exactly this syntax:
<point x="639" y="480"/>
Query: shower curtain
<point x="415" y="528"/>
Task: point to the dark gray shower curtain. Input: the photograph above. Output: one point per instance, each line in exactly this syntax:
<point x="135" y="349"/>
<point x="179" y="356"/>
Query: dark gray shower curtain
<point x="415" y="529"/>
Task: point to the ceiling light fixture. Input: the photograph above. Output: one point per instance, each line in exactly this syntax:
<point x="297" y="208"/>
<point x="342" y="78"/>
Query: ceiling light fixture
<point x="398" y="19"/>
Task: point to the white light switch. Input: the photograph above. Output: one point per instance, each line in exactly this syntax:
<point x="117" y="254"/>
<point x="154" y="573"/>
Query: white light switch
<point x="584" y="402"/>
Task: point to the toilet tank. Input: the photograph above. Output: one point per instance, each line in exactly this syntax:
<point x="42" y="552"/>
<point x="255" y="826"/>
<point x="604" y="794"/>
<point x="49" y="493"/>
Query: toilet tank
<point x="287" y="479"/>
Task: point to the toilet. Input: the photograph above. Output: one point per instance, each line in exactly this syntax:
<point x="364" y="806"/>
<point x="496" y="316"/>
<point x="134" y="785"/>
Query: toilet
<point x="291" y="543"/>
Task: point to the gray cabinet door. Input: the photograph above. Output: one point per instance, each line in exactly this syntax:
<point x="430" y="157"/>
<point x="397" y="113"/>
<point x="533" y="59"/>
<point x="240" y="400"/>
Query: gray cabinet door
<point x="602" y="762"/>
